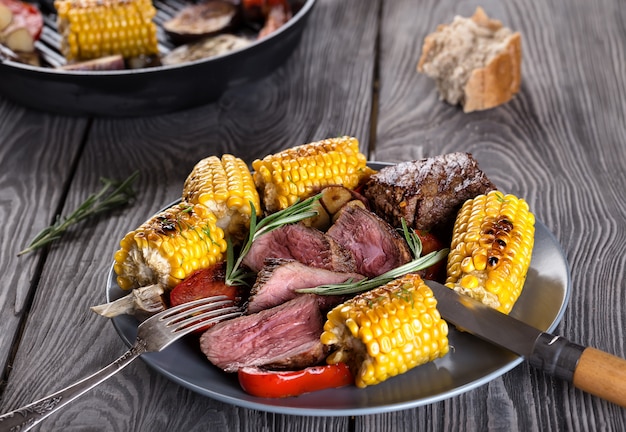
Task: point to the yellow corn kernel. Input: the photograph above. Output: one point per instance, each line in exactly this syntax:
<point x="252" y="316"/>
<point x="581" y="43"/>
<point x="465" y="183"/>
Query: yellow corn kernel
<point x="226" y="188"/>
<point x="169" y="247"/>
<point x="491" y="248"/>
<point x="386" y="331"/>
<point x="296" y="173"/>
<point x="97" y="28"/>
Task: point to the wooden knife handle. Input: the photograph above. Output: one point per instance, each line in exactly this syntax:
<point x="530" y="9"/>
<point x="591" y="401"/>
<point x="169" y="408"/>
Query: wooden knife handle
<point x="602" y="374"/>
<point x="589" y="369"/>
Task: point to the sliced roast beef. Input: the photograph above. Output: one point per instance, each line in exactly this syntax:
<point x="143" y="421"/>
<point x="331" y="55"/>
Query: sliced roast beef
<point x="427" y="193"/>
<point x="279" y="279"/>
<point x="376" y="246"/>
<point x="304" y="244"/>
<point x="286" y="336"/>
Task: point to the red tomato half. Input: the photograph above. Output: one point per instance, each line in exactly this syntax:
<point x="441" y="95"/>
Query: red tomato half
<point x="431" y="243"/>
<point x="279" y="384"/>
<point x="204" y="283"/>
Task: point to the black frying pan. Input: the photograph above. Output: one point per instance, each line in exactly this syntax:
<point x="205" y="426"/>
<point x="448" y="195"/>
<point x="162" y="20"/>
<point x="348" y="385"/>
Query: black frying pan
<point x="153" y="90"/>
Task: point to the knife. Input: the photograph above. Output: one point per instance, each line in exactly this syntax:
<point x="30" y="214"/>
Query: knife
<point x="589" y="369"/>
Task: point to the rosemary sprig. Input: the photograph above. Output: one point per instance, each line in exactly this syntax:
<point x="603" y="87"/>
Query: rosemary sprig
<point x="412" y="239"/>
<point x="235" y="275"/>
<point x="351" y="287"/>
<point x="102" y="201"/>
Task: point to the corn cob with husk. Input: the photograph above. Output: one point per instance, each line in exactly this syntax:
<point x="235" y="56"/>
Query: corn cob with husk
<point x="491" y="249"/>
<point x="97" y="28"/>
<point x="387" y="331"/>
<point x="298" y="172"/>
<point x="226" y="188"/>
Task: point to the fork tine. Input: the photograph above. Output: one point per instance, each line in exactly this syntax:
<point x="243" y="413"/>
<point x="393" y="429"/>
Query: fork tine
<point x="170" y="312"/>
<point x="226" y="313"/>
<point x="181" y="324"/>
<point x="192" y="311"/>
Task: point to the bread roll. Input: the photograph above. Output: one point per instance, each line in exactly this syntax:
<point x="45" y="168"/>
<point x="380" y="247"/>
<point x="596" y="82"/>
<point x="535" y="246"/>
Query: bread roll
<point x="476" y="62"/>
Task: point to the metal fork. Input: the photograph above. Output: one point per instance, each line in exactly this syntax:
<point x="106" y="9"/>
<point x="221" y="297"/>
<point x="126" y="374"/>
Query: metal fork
<point x="154" y="334"/>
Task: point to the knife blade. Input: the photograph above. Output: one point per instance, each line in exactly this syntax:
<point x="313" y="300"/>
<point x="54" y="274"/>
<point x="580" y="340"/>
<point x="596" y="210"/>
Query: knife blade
<point x="589" y="369"/>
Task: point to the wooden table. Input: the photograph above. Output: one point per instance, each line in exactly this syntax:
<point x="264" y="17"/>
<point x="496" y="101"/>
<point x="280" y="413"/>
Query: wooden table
<point x="560" y="144"/>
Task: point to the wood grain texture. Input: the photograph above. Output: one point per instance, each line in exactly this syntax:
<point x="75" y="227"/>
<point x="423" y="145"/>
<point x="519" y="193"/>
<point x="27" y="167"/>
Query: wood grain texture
<point x="559" y="144"/>
<point x="303" y="101"/>
<point x="32" y="147"/>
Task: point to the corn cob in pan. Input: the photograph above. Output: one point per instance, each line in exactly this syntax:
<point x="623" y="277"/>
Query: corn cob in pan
<point x="226" y="188"/>
<point x="387" y="331"/>
<point x="97" y="28"/>
<point x="491" y="248"/>
<point x="296" y="173"/>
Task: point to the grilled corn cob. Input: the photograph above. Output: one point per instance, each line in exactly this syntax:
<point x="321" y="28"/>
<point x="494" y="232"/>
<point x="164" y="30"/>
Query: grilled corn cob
<point x="387" y="331"/>
<point x="226" y="188"/>
<point x="169" y="247"/>
<point x="296" y="173"/>
<point x="97" y="28"/>
<point x="492" y="243"/>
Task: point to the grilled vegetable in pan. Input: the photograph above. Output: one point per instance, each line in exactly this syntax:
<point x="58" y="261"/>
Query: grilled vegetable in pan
<point x="491" y="248"/>
<point x="98" y="28"/>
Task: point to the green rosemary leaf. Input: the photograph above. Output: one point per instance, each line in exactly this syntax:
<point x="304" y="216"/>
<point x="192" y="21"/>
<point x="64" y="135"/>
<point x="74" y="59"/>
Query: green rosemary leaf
<point x="351" y="287"/>
<point x="412" y="239"/>
<point x="100" y="202"/>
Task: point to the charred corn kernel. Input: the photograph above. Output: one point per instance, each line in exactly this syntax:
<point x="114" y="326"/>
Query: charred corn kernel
<point x="169" y="247"/>
<point x="225" y="186"/>
<point x="296" y="173"/>
<point x="491" y="248"/>
<point x="386" y="331"/>
<point x="97" y="28"/>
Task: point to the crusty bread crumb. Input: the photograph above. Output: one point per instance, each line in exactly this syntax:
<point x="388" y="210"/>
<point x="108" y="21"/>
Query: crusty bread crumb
<point x="476" y="62"/>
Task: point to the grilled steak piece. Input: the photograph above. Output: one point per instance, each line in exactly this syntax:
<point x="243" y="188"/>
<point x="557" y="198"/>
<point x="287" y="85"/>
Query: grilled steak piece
<point x="279" y="278"/>
<point x="286" y="336"/>
<point x="304" y="244"/>
<point x="426" y="192"/>
<point x="376" y="246"/>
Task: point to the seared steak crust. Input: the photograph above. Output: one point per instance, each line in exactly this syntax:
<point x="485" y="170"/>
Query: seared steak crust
<point x="426" y="192"/>
<point x="286" y="336"/>
<point x="376" y="246"/>
<point x="279" y="279"/>
<point x="304" y="244"/>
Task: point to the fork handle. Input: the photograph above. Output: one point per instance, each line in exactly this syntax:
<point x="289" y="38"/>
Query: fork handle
<point x="24" y="418"/>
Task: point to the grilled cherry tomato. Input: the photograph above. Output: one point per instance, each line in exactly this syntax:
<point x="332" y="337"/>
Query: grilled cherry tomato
<point x="279" y="384"/>
<point x="204" y="283"/>
<point x="431" y="243"/>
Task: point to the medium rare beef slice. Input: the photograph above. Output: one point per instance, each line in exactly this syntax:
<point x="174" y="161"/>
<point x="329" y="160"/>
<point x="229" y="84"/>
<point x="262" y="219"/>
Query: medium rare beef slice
<point x="304" y="244"/>
<point x="286" y="336"/>
<point x="376" y="246"/>
<point x="279" y="279"/>
<point x="427" y="192"/>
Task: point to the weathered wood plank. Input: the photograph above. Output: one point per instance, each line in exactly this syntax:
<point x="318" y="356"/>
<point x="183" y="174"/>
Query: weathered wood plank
<point x="560" y="144"/>
<point x="311" y="97"/>
<point x="32" y="148"/>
